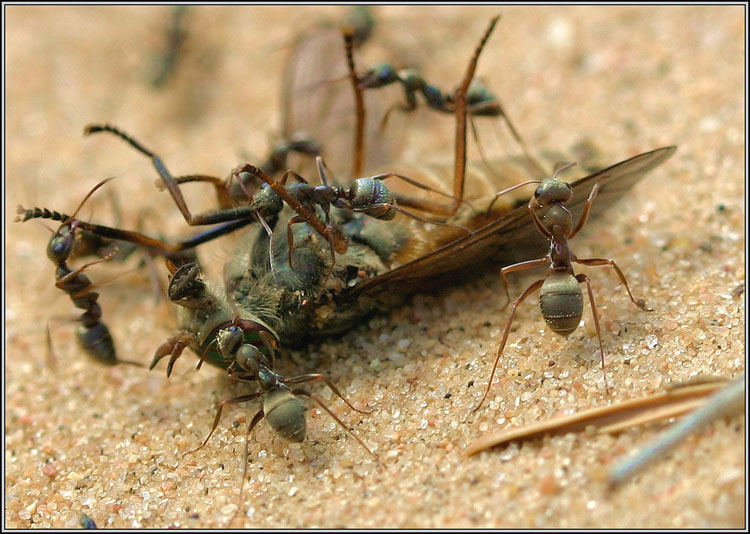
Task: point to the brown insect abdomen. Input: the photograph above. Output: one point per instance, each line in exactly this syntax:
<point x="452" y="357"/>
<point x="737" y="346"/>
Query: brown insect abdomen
<point x="561" y="302"/>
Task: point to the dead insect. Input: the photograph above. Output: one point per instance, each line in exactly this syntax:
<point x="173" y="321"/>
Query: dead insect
<point x="209" y="323"/>
<point x="383" y="263"/>
<point x="560" y="296"/>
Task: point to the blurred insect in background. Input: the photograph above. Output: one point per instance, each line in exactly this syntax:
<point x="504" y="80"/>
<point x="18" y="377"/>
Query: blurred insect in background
<point x="176" y="35"/>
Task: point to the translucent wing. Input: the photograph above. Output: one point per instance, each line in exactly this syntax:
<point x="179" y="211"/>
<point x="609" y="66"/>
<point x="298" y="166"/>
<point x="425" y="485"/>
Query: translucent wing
<point x="512" y="237"/>
<point x="319" y="102"/>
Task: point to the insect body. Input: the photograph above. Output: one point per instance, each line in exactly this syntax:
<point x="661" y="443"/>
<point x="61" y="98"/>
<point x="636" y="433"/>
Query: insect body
<point x="92" y="334"/>
<point x="480" y="100"/>
<point x="560" y="296"/>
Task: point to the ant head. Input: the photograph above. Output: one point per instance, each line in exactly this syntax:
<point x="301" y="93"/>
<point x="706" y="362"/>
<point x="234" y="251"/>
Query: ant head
<point x="244" y="342"/>
<point x="554" y="191"/>
<point x="61" y="243"/>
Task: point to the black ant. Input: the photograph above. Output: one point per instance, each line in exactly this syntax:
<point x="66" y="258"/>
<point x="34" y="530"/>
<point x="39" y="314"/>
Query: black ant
<point x="560" y="297"/>
<point x="92" y="334"/>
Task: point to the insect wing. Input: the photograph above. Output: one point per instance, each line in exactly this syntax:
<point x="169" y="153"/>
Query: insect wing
<point x="318" y="100"/>
<point x="514" y="237"/>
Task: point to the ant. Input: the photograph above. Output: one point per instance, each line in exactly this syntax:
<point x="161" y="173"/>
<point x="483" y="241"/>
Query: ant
<point x="246" y="349"/>
<point x="560" y="296"/>
<point x="92" y="334"/>
<point x="480" y="101"/>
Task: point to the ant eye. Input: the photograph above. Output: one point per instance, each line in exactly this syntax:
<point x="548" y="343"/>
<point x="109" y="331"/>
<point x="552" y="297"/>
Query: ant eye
<point x="234" y="328"/>
<point x="539" y="191"/>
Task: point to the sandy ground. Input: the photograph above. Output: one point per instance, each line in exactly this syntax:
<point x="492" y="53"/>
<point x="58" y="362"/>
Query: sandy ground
<point x="109" y="442"/>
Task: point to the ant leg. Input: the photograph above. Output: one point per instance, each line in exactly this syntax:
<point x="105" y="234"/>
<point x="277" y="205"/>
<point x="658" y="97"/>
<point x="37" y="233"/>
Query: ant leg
<point x="62" y="281"/>
<point x="333" y="262"/>
<point x="290" y="235"/>
<point x="174" y="346"/>
<point x="596" y="262"/>
<point x="304" y="393"/>
<point x="170" y="183"/>
<point x="522" y="266"/>
<point x="270" y="343"/>
<point x="51" y="356"/>
<point x="233" y="400"/>
<point x="315" y="377"/>
<point x="583" y="278"/>
<point x="271" y="259"/>
<point x="438" y="209"/>
<point x="359" y="130"/>
<point x="533" y="287"/>
<point x="478" y="108"/>
<point x="412" y="215"/>
<point x="459" y="173"/>
<point x="222" y="190"/>
<point x="534" y="217"/>
<point x="256" y="419"/>
<point x="340" y="242"/>
<point x="586" y="210"/>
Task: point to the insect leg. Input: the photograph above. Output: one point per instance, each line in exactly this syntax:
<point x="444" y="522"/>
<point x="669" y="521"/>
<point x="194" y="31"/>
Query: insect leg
<point x="533" y="287"/>
<point x="595" y="262"/>
<point x="162" y="247"/>
<point x="417" y="203"/>
<point x="51" y="355"/>
<point x="256" y="419"/>
<point x="220" y="406"/>
<point x="583" y="278"/>
<point x="340" y="242"/>
<point x="222" y="191"/>
<point x="412" y="216"/>
<point x="170" y="183"/>
<point x="315" y="377"/>
<point x="522" y="266"/>
<point x="290" y="235"/>
<point x="174" y="346"/>
<point x="508" y="190"/>
<point x="327" y="409"/>
<point x="459" y="172"/>
<point x="359" y="130"/>
<point x="63" y="281"/>
<point x="586" y="210"/>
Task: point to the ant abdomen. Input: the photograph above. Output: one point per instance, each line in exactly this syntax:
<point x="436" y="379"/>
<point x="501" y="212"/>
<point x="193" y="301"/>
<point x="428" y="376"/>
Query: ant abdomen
<point x="285" y="414"/>
<point x="97" y="342"/>
<point x="561" y="302"/>
<point x="366" y="192"/>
